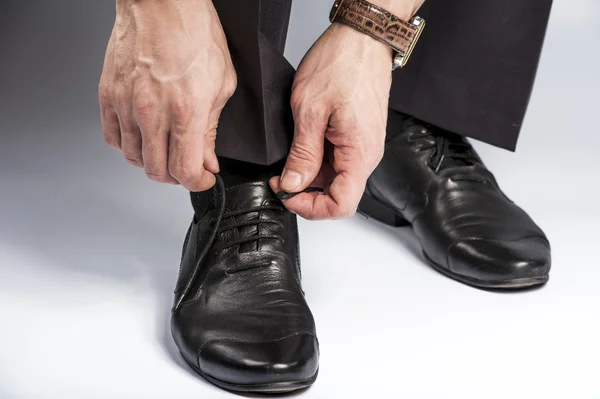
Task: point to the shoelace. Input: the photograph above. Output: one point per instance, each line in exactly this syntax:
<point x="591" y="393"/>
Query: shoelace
<point x="251" y="222"/>
<point x="450" y="151"/>
<point x="218" y="229"/>
<point x="220" y="187"/>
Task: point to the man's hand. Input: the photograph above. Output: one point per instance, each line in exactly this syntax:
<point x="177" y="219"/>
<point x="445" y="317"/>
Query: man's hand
<point x="340" y="104"/>
<point x="167" y="76"/>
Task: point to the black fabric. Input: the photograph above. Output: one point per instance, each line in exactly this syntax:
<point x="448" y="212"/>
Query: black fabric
<point x="398" y="119"/>
<point x="234" y="173"/>
<point x="474" y="67"/>
<point x="471" y="74"/>
<point x="256" y="124"/>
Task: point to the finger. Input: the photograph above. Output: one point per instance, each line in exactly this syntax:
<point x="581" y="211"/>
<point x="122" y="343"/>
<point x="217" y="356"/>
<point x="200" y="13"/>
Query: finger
<point x="131" y="137"/>
<point x="211" y="162"/>
<point x="325" y="176"/>
<point x="340" y="200"/>
<point x="306" y="154"/>
<point x="186" y="152"/>
<point x="155" y="142"/>
<point x="131" y="143"/>
<point x="323" y="180"/>
<point x="109" y="119"/>
<point x="110" y="127"/>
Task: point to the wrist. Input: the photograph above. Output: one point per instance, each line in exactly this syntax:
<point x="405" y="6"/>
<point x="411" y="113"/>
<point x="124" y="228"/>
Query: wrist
<point x="390" y="22"/>
<point x="368" y="47"/>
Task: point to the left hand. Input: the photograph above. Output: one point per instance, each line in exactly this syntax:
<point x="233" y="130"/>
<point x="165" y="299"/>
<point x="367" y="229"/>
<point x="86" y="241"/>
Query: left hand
<point x="340" y="103"/>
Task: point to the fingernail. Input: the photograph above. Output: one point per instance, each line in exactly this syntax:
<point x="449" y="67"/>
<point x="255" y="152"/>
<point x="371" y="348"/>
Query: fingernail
<point x="290" y="180"/>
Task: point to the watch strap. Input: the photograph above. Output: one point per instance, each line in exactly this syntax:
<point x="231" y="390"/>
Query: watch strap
<point x="376" y="22"/>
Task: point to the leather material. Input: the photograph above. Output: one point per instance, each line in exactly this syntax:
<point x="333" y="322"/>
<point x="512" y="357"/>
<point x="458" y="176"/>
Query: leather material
<point x="245" y="320"/>
<point x="467" y="226"/>
<point x="258" y="365"/>
<point x="375" y="22"/>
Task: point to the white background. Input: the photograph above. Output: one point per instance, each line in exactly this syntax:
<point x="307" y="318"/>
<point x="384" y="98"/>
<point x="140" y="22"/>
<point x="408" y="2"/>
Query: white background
<point x="89" y="250"/>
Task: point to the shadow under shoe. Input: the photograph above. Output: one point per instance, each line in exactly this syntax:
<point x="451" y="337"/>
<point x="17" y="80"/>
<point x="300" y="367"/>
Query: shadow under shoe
<point x="469" y="230"/>
<point x="240" y="317"/>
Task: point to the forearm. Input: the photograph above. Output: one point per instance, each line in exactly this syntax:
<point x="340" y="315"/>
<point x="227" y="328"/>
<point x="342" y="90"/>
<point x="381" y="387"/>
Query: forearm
<point x="404" y="9"/>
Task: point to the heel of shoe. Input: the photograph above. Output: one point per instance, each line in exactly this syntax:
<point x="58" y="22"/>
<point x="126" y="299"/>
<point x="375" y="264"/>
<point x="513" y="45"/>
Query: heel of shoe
<point x="372" y="208"/>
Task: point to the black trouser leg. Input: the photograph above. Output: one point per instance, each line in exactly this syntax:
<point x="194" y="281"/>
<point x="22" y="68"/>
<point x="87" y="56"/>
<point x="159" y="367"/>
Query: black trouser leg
<point x="256" y="125"/>
<point x="474" y="67"/>
<point x="472" y="72"/>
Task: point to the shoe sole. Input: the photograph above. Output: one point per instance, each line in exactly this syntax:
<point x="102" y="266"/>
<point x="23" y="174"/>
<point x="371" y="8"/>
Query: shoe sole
<point x="372" y="208"/>
<point x="270" y="388"/>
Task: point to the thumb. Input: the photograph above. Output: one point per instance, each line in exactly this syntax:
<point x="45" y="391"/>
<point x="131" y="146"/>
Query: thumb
<point x="306" y="154"/>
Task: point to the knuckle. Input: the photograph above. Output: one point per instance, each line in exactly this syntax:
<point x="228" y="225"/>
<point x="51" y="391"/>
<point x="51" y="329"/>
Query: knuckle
<point x="196" y="188"/>
<point x="181" y="107"/>
<point x="305" y="103"/>
<point x="156" y="175"/>
<point x="347" y="212"/>
<point x="211" y="134"/>
<point x="112" y="141"/>
<point x="304" y="124"/>
<point x="199" y="186"/>
<point x="104" y="94"/>
<point x="145" y="107"/>
<point x="308" y="113"/>
<point x="180" y="172"/>
<point x="298" y="94"/>
<point x="121" y="99"/>
<point x="304" y="152"/>
<point x="297" y="100"/>
<point x="345" y="208"/>
<point x="309" y="116"/>
<point x="230" y="85"/>
<point x="179" y="130"/>
<point x="133" y="159"/>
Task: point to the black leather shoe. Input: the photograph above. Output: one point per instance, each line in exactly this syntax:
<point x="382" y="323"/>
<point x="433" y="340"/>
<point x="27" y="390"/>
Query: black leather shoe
<point x="240" y="318"/>
<point x="469" y="230"/>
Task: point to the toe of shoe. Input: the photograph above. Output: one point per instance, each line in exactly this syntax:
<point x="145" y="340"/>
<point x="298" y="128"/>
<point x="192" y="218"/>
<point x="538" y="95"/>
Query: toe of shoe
<point x="502" y="262"/>
<point x="287" y="360"/>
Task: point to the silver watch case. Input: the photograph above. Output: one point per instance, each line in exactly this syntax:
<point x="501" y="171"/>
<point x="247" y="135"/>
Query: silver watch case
<point x="400" y="59"/>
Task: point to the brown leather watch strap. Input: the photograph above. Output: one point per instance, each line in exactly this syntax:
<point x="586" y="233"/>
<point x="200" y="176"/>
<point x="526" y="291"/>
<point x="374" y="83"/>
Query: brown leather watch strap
<point x="375" y="22"/>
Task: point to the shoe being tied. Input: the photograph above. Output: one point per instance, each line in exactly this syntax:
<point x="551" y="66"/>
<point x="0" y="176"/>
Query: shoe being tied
<point x="240" y="317"/>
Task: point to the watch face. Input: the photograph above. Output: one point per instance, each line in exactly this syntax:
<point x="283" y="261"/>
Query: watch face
<point x="335" y="9"/>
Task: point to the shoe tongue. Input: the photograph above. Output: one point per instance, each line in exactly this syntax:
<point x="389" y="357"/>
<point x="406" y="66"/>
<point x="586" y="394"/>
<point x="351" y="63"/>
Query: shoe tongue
<point x="456" y="152"/>
<point x="248" y="195"/>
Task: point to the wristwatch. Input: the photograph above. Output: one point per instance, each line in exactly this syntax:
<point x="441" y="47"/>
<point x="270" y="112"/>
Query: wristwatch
<point x="381" y="25"/>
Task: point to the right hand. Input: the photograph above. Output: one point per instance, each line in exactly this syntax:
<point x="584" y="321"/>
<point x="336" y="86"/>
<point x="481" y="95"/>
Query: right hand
<point x="167" y="76"/>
